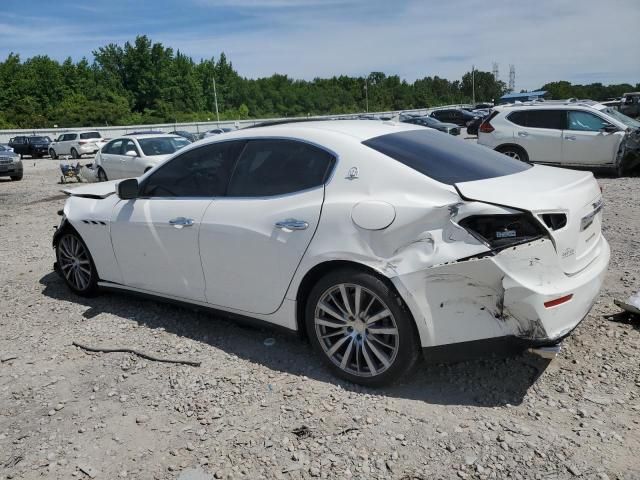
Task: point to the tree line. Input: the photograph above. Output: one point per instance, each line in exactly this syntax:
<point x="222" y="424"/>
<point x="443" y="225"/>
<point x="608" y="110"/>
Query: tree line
<point x="144" y="82"/>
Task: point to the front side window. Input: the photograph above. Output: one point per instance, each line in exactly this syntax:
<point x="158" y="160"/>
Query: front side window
<point x="114" y="147"/>
<point x="277" y="167"/>
<point x="585" y="121"/>
<point x="162" y="145"/>
<point x="201" y="172"/>
<point x="443" y="157"/>
<point x="71" y="136"/>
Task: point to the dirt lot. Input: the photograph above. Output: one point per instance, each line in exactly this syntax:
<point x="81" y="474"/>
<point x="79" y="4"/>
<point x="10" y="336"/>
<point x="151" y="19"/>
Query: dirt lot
<point x="258" y="411"/>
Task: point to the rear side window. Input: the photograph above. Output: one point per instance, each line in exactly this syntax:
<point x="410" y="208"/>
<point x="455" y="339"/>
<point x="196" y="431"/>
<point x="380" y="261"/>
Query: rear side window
<point x="551" y="119"/>
<point x="88" y="135"/>
<point x="278" y="167"/>
<point x="444" y="158"/>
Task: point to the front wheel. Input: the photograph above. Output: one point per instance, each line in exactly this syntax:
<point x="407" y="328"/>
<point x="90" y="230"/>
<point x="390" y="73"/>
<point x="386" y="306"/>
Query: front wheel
<point x="52" y="154"/>
<point x="361" y="328"/>
<point x="74" y="154"/>
<point x="76" y="265"/>
<point x="17" y="178"/>
<point x="102" y="176"/>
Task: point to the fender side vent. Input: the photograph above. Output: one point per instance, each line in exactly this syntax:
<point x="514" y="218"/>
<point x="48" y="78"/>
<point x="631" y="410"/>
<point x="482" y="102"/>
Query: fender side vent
<point x="555" y="221"/>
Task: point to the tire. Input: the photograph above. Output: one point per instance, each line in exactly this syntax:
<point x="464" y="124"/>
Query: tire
<point x="74" y="154"/>
<point x="372" y="359"/>
<point x="17" y="178"/>
<point x="52" y="154"/>
<point x="102" y="176"/>
<point x="515" y="152"/>
<point x="76" y="265"/>
<point x="62" y="179"/>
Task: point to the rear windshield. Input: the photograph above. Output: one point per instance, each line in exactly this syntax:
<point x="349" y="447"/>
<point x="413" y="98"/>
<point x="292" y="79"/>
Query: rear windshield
<point x="39" y="139"/>
<point x="87" y="135"/>
<point x="162" y="145"/>
<point x="445" y="158"/>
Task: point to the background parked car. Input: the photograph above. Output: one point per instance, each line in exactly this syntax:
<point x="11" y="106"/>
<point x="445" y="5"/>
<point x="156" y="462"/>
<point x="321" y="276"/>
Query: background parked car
<point x="458" y="116"/>
<point x="630" y="104"/>
<point x="35" y="146"/>
<point x="192" y="137"/>
<point x="425" y="121"/>
<point x="474" y="125"/>
<point x="579" y="134"/>
<point x="131" y="156"/>
<point x="216" y="131"/>
<point x="77" y="144"/>
<point x="10" y="163"/>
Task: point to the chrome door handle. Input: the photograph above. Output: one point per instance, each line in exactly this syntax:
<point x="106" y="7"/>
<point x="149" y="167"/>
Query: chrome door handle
<point x="523" y="134"/>
<point x="181" y="222"/>
<point x="292" y="224"/>
<point x="570" y="137"/>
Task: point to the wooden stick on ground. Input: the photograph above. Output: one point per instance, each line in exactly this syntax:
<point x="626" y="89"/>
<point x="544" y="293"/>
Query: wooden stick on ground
<point x="136" y="352"/>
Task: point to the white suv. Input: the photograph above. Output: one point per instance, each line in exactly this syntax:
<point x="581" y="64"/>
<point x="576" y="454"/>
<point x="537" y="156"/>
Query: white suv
<point x="572" y="134"/>
<point x="77" y="144"/>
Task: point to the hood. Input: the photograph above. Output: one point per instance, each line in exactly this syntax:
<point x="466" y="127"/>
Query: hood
<point x="94" y="190"/>
<point x="547" y="190"/>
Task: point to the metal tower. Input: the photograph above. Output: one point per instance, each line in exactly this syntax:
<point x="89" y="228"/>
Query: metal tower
<point x="494" y="70"/>
<point x="512" y="78"/>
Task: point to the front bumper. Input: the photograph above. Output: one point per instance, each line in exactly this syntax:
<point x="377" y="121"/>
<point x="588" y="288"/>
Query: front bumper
<point x="11" y="169"/>
<point x="501" y="298"/>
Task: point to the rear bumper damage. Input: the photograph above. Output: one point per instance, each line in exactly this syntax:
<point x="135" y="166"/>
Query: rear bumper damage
<point x="519" y="298"/>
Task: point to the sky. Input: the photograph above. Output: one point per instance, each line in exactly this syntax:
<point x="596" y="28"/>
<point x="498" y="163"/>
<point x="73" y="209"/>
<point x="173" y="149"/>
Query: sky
<point x="582" y="41"/>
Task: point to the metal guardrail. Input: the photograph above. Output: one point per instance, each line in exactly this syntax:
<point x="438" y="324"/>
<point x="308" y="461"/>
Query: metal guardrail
<point x="198" y="127"/>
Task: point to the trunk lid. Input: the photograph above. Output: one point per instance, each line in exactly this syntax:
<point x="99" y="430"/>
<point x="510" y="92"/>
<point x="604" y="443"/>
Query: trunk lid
<point x="542" y="190"/>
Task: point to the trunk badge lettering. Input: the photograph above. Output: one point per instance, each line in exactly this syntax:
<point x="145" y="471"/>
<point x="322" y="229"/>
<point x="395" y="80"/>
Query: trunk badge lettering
<point x="568" y="252"/>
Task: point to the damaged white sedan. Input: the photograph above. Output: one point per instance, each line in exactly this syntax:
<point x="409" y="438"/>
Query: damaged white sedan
<point x="376" y="240"/>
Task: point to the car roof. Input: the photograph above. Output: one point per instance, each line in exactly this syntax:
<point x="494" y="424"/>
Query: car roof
<point x="151" y="135"/>
<point x="359" y="130"/>
<point x="550" y="105"/>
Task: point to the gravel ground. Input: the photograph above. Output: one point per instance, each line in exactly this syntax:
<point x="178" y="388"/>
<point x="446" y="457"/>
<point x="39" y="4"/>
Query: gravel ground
<point x="255" y="410"/>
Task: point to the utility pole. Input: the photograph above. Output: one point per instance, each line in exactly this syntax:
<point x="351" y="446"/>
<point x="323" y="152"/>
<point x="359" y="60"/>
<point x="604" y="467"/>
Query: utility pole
<point x="366" y="94"/>
<point x="473" y="84"/>
<point x="215" y="98"/>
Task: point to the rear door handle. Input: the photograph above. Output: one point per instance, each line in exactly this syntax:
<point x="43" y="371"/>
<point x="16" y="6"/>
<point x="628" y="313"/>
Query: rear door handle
<point x="523" y="134"/>
<point x="292" y="224"/>
<point x="570" y="137"/>
<point x="180" y="222"/>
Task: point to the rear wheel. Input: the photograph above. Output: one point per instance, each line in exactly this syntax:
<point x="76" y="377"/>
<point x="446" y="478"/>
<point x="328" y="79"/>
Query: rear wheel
<point x="517" y="153"/>
<point x="361" y="328"/>
<point x="102" y="176"/>
<point x="76" y="265"/>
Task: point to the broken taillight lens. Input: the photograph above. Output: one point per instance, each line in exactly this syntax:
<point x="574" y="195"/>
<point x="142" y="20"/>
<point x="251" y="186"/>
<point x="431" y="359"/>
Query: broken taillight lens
<point x="486" y="127"/>
<point x="499" y="231"/>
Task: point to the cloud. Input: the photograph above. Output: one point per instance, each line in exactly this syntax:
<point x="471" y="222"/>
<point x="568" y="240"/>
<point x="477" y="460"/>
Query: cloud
<point x="546" y="40"/>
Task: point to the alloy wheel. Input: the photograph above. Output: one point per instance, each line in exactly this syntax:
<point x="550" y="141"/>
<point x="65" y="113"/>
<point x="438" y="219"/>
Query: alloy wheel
<point x="74" y="262"/>
<point x="512" y="154"/>
<point x="356" y="330"/>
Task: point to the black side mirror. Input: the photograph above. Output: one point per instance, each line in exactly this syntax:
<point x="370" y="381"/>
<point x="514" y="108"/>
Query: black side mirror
<point x="609" y="129"/>
<point x="127" y="189"/>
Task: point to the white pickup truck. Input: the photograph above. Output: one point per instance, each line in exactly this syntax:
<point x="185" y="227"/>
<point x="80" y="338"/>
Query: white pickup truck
<point x="77" y="144"/>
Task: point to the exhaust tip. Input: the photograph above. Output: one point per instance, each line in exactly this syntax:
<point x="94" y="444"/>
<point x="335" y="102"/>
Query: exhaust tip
<point x="549" y="352"/>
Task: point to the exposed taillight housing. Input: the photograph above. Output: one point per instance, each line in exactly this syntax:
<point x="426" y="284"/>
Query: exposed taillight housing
<point x="485" y="126"/>
<point x="500" y="231"/>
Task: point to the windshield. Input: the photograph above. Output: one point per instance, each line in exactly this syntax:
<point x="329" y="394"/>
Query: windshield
<point x="621" y="117"/>
<point x="87" y="135"/>
<point x="444" y="158"/>
<point x="162" y="145"/>
<point x="39" y="139"/>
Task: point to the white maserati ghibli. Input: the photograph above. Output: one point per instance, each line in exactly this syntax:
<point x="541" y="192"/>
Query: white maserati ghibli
<point x="376" y="240"/>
